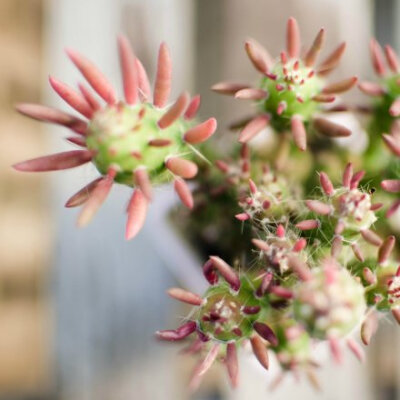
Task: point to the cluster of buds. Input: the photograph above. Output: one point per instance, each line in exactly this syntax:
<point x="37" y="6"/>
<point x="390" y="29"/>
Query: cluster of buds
<point x="137" y="142"/>
<point x="292" y="89"/>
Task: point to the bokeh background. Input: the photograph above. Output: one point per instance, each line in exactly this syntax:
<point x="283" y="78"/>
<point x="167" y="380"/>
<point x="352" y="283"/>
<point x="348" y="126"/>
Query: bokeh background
<point x="78" y="308"/>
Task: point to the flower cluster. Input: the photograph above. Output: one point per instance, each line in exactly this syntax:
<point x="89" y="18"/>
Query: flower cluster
<point x="311" y="267"/>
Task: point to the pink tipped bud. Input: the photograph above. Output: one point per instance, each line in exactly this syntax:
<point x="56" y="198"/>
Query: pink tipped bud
<point x="253" y="128"/>
<point x="326" y="184"/>
<point x="260" y="351"/>
<point x="201" y="132"/>
<point x="299" y="132"/>
<point x="129" y="72"/>
<point x="137" y="210"/>
<point x="312" y="54"/>
<point x="228" y="88"/>
<point x="193" y="107"/>
<point x="391" y="185"/>
<point x="356" y="179"/>
<point x="300" y="268"/>
<point x="357" y="252"/>
<point x="209" y="273"/>
<point x="336" y="247"/>
<point x="392" y="209"/>
<point x="356" y="349"/>
<point x="392" y="59"/>
<point x="184" y="193"/>
<point x="181" y="167"/>
<point x="396" y="314"/>
<point x="142" y="180"/>
<point x="369" y="327"/>
<point x="369" y="276"/>
<point x="251" y="94"/>
<point x="174" y="112"/>
<point x="293" y="38"/>
<point x="185" y="296"/>
<point x="330" y="129"/>
<point x="179" y="334"/>
<point x="266" y="333"/>
<point x="392" y="143"/>
<point x="282" y="292"/>
<point x="336" y="352"/>
<point x="252" y="186"/>
<point x="332" y="60"/>
<point x="340" y="87"/>
<point x="82" y="195"/>
<point x="300" y="245"/>
<point x="232" y="364"/>
<point x="371" y="89"/>
<point x="143" y="82"/>
<point x="371" y="237"/>
<point x="162" y="87"/>
<point x="226" y="271"/>
<point x="347" y="175"/>
<point x="260" y="244"/>
<point x="242" y="216"/>
<point x="394" y="109"/>
<point x="318" y="207"/>
<point x="386" y="248"/>
<point x="308" y="224"/>
<point x="258" y="56"/>
<point x="377" y="57"/>
<point x="280" y="231"/>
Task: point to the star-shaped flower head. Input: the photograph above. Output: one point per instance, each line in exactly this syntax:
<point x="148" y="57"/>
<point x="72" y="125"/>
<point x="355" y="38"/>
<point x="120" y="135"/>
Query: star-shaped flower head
<point x="138" y="142"/>
<point x="292" y="89"/>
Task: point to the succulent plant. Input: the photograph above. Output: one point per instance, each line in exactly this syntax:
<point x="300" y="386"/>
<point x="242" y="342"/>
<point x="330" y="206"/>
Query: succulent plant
<point x="137" y="142"/>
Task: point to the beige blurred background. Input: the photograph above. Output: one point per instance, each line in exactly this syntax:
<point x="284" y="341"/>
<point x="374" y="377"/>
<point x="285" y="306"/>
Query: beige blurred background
<point x="78" y="308"/>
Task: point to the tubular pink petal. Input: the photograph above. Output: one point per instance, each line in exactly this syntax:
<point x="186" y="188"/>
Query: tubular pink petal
<point x="93" y="75"/>
<point x="280" y="231"/>
<point x="137" y="210"/>
<point x="315" y="48"/>
<point x="300" y="268"/>
<point x="376" y="206"/>
<point x="129" y="72"/>
<point x="162" y="87"/>
<point x="232" y="364"/>
<point x="265" y="284"/>
<point x="357" y="252"/>
<point x="377" y="57"/>
<point x="385" y="249"/>
<point x="371" y="88"/>
<point x="209" y="272"/>
<point x="258" y="56"/>
<point x="308" y="224"/>
<point x="392" y="144"/>
<point x="292" y="38"/>
<point x="160" y="142"/>
<point x="251" y="94"/>
<point x="193" y="107"/>
<point x="347" y="175"/>
<point x="260" y="351"/>
<point x="392" y="209"/>
<point x="228" y="88"/>
<point x="369" y="276"/>
<point x="175" y="111"/>
<point x="333" y="59"/>
<point x="51" y="115"/>
<point x="200" y="133"/>
<point x="340" y="87"/>
<point x="369" y="327"/>
<point x="253" y="128"/>
<point x="356" y="179"/>
<point x="226" y="271"/>
<point x="299" y="132"/>
<point x="396" y="314"/>
<point x="82" y="195"/>
<point x="392" y="59"/>
<point x="336" y="352"/>
<point x="179" y="334"/>
<point x="55" y="162"/>
<point x="356" y="349"/>
<point x="96" y="199"/>
<point x="242" y="217"/>
<point x="391" y="185"/>
<point x="260" y="244"/>
<point x="282" y="292"/>
<point x="181" y="167"/>
<point x="143" y="82"/>
<point x="330" y="129"/>
<point x="89" y="97"/>
<point x="70" y="96"/>
<point x="77" y="140"/>
<point x="142" y="180"/>
<point x="184" y="193"/>
<point x="299" y="245"/>
<point x="252" y="187"/>
<point x="318" y="207"/>
<point x="185" y="296"/>
<point x="266" y="333"/>
<point x="394" y="109"/>
<point x="371" y="237"/>
<point x="324" y="98"/>
<point x="326" y="184"/>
